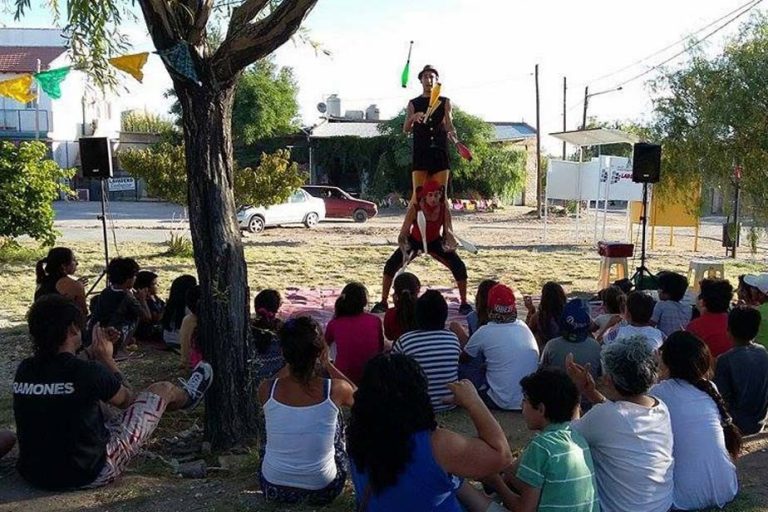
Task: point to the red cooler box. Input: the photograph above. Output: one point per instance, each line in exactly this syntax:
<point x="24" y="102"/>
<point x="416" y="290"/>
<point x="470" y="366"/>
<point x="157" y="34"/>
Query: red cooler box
<point x="615" y="249"/>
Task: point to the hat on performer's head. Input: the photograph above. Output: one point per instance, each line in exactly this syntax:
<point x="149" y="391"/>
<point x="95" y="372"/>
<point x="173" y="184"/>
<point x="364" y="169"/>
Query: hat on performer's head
<point x="426" y="69"/>
<point x="427" y="187"/>
<point x="502" y="305"/>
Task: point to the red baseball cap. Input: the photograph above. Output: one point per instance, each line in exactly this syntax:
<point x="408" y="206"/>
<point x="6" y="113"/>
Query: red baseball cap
<point x="501" y="299"/>
<point x="429" y="186"/>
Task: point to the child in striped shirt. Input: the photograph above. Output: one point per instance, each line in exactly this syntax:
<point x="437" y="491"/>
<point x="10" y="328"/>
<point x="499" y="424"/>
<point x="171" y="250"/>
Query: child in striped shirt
<point x="555" y="471"/>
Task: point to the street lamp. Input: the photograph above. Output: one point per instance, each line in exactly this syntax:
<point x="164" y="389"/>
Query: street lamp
<point x="586" y="102"/>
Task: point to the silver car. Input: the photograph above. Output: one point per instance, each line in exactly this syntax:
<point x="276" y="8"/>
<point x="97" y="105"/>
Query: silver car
<point x="299" y="208"/>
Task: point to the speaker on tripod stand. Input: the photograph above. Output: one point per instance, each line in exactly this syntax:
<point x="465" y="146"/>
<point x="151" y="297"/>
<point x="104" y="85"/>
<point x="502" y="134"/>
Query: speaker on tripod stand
<point x="646" y="168"/>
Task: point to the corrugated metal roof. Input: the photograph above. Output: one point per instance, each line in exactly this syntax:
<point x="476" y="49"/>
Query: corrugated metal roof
<point x="346" y="129"/>
<point x="513" y="131"/>
<point x="23" y="59"/>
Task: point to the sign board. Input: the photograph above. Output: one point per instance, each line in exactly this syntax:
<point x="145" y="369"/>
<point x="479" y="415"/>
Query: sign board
<point x="599" y="179"/>
<point x="121" y="184"/>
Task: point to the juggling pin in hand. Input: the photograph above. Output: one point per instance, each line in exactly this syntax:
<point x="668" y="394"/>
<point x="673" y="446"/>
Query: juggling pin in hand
<point x="421" y="221"/>
<point x="464" y="151"/>
<point x="434" y="100"/>
<point x="465" y="243"/>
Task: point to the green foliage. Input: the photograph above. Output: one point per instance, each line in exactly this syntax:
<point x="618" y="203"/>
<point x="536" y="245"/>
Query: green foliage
<point x="346" y="160"/>
<point x="179" y="245"/>
<point x="139" y="122"/>
<point x="29" y="183"/>
<point x="275" y="178"/>
<point x="13" y="252"/>
<point x="495" y="170"/>
<point x="265" y="104"/>
<point x="163" y="168"/>
<point x="710" y="115"/>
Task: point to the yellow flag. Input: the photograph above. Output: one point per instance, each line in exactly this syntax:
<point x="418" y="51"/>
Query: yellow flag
<point x="19" y="89"/>
<point x="131" y="64"/>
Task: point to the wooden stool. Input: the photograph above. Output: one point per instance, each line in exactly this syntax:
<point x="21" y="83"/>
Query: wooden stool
<point x="703" y="269"/>
<point x="607" y="264"/>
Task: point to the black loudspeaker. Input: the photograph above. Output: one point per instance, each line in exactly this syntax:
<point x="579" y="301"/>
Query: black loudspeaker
<point x="96" y="157"/>
<point x="646" y="163"/>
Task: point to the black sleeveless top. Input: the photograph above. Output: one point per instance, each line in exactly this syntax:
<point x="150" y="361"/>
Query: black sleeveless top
<point x="430" y="140"/>
<point x="47" y="286"/>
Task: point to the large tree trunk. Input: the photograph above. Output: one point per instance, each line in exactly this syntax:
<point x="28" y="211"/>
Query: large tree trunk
<point x="223" y="310"/>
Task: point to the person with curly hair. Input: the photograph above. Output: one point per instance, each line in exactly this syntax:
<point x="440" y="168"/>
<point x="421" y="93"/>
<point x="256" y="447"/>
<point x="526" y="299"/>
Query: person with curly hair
<point x="629" y="431"/>
<point x="706" y="441"/>
<point x="401" y="460"/>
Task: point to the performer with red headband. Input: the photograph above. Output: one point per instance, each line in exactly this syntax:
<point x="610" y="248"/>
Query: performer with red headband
<point x="412" y="242"/>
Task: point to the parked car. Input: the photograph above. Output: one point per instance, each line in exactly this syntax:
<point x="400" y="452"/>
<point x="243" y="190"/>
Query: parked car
<point x="299" y="208"/>
<point x="340" y="205"/>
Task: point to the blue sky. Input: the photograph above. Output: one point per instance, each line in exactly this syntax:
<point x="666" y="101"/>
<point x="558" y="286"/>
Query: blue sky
<point x="485" y="50"/>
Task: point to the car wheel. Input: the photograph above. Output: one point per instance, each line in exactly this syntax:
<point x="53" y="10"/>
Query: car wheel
<point x="311" y="220"/>
<point x="256" y="224"/>
<point x="360" y="215"/>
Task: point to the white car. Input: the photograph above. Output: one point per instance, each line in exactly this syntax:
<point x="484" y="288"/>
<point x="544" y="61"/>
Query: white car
<point x="299" y="208"/>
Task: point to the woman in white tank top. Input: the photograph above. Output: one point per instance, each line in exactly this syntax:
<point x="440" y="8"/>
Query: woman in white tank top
<point x="304" y="459"/>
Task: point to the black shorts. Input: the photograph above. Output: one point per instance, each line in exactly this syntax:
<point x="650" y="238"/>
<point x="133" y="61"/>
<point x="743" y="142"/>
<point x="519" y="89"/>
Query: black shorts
<point x="448" y="258"/>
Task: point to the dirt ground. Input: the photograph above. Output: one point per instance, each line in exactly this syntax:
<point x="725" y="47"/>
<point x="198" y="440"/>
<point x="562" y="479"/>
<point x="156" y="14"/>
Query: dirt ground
<point x="513" y="248"/>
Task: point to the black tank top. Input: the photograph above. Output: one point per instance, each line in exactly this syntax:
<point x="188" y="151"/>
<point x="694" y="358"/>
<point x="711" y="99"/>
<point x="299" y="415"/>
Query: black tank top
<point x="47" y="286"/>
<point x="430" y="140"/>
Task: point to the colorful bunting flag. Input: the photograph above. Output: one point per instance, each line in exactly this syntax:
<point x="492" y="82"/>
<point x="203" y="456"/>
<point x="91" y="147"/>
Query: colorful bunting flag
<point x="50" y="81"/>
<point x="180" y="60"/>
<point x="131" y="64"/>
<point x="19" y="89"/>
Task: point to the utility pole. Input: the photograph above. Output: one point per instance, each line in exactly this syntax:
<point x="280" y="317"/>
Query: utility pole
<point x="565" y="125"/>
<point x="586" y="101"/>
<point x="538" y="148"/>
<point x="37" y="105"/>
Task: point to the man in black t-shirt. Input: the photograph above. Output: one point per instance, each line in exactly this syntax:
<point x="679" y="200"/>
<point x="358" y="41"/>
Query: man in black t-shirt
<point x="64" y="441"/>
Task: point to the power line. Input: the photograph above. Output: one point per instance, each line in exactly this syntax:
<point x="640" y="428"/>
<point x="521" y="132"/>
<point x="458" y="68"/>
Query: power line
<point x="683" y="40"/>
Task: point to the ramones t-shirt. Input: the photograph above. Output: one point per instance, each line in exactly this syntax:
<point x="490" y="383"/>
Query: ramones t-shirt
<point x="59" y="423"/>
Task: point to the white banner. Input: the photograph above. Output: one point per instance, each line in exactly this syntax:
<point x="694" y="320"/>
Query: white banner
<point x="599" y="179"/>
<point x="121" y="184"/>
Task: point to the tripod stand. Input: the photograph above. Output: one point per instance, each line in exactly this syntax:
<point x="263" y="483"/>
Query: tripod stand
<point x="103" y="219"/>
<point x="642" y="278"/>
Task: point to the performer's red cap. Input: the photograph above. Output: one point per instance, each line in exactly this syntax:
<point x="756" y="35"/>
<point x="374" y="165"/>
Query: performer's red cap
<point x="501" y="299"/>
<point x="430" y="186"/>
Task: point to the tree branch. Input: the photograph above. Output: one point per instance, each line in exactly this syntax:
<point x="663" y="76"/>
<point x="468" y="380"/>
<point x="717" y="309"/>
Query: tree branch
<point x="244" y="14"/>
<point x="196" y="33"/>
<point x="156" y="17"/>
<point x="256" y="40"/>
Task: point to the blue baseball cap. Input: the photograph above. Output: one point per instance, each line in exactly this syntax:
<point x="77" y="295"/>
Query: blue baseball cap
<point x="575" y="322"/>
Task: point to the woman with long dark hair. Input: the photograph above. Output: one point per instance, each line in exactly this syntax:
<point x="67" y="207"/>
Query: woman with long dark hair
<point x="478" y="317"/>
<point x="706" y="441"/>
<point x="353" y="335"/>
<point x="401" y="318"/>
<point x="304" y="458"/>
<point x="176" y="309"/>
<point x="53" y="276"/>
<point x="268" y="357"/>
<point x="401" y="460"/>
<point x="544" y="321"/>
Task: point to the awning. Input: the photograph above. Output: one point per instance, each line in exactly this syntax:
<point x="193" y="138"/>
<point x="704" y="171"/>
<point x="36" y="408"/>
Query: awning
<point x="596" y="137"/>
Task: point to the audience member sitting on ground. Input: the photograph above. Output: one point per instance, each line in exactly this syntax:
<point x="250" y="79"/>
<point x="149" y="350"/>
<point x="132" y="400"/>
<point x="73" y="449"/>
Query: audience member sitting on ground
<point x="575" y="340"/>
<point x="741" y="374"/>
<point x="64" y="442"/>
<point x="479" y="316"/>
<point x="304" y="458"/>
<point x="53" y="276"/>
<point x="7" y="442"/>
<point x="756" y="286"/>
<point x="508" y="349"/>
<point x="268" y="357"/>
<point x="176" y="309"/>
<point x="555" y="470"/>
<point x="669" y="314"/>
<point x="119" y="305"/>
<point x="150" y="330"/>
<point x="190" y="353"/>
<point x="613" y="300"/>
<point x="544" y="321"/>
<point x="628" y="431"/>
<point x="353" y="335"/>
<point x="712" y="326"/>
<point x="434" y="347"/>
<point x="706" y="442"/>
<point x="638" y="312"/>
<point x="402" y="317"/>
<point x="401" y="460"/>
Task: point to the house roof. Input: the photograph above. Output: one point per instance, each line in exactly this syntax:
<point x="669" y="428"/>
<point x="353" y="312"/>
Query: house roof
<point x="505" y="131"/>
<point x="596" y="137"/>
<point x="23" y="59"/>
<point x="510" y="131"/>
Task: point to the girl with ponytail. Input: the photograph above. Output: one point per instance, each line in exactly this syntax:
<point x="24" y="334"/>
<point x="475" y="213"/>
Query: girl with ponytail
<point x="706" y="441"/>
<point x="53" y="277"/>
<point x="401" y="318"/>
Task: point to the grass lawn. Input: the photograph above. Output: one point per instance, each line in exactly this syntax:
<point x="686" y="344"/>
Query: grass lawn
<point x="277" y="264"/>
